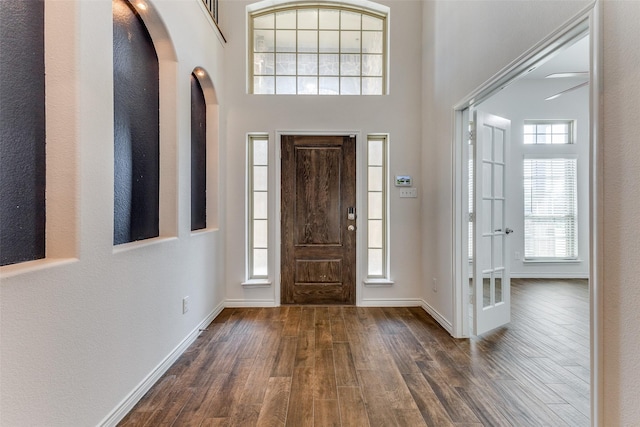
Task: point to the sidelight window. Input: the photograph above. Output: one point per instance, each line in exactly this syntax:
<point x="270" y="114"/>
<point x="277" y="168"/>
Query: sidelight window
<point x="311" y="50"/>
<point x="258" y="207"/>
<point x="377" y="206"/>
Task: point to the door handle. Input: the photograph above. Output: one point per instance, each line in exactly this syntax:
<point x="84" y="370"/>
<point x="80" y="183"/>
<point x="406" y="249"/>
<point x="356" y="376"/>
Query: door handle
<point x="351" y="228"/>
<point x="506" y="231"/>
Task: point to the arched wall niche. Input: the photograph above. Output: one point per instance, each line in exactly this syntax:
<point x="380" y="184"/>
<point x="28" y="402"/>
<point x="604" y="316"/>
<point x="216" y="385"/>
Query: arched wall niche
<point x="212" y="148"/>
<point x="164" y="220"/>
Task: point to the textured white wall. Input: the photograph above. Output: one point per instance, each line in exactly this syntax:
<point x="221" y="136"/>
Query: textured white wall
<point x="621" y="290"/>
<point x="78" y="335"/>
<point x="397" y="114"/>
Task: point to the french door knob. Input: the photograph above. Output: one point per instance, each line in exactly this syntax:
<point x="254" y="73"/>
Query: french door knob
<point x="508" y="231"/>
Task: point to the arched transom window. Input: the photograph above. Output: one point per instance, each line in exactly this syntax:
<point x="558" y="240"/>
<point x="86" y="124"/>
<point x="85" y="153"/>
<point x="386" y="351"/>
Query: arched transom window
<point x="318" y="50"/>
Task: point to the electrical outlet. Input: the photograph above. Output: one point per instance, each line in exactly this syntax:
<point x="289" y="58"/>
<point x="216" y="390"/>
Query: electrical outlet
<point x="435" y="285"/>
<point x="185" y="305"/>
<point x="410" y="193"/>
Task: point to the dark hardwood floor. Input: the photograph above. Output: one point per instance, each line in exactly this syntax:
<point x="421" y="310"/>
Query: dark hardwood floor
<point x="354" y="366"/>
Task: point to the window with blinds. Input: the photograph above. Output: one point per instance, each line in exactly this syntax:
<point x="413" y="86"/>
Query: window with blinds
<point x="550" y="209"/>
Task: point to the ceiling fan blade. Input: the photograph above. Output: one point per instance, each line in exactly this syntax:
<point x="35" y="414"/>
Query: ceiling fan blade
<point x="566" y="90"/>
<point x="568" y="74"/>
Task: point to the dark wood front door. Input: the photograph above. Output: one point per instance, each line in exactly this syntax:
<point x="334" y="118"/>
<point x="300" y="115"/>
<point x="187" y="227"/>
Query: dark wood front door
<point x="318" y="238"/>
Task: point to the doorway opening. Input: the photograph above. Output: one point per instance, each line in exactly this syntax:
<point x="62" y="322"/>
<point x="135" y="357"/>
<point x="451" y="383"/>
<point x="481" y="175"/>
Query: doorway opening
<point x="484" y="247"/>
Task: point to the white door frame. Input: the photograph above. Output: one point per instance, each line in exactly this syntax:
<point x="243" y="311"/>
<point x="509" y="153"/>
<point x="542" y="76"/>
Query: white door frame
<point x="587" y="21"/>
<point x="360" y="239"/>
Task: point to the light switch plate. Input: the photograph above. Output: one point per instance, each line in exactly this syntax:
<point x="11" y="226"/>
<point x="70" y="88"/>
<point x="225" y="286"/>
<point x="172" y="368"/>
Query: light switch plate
<point x="408" y="193"/>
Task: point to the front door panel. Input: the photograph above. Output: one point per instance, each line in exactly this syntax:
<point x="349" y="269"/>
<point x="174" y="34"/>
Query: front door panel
<point x="318" y="248"/>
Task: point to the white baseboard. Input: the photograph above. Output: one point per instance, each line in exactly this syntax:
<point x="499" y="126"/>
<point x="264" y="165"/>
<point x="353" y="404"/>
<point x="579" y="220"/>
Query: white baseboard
<point x="391" y="302"/>
<point x="123" y="408"/>
<point x="437" y="317"/>
<point x="242" y="303"/>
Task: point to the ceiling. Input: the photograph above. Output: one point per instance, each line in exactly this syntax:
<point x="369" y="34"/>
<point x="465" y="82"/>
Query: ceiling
<point x="574" y="58"/>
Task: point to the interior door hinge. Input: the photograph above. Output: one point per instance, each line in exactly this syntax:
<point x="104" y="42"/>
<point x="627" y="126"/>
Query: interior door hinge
<point x="472" y="135"/>
<point x="472" y="216"/>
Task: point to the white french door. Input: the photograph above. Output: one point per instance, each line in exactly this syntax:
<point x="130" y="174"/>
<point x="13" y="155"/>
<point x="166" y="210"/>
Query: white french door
<point x="491" y="280"/>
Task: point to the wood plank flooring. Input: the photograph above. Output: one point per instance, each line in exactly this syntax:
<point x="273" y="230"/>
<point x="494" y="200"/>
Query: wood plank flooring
<point x="354" y="366"/>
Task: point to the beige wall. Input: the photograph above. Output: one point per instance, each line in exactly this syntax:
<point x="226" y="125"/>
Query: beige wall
<point x="621" y="290"/>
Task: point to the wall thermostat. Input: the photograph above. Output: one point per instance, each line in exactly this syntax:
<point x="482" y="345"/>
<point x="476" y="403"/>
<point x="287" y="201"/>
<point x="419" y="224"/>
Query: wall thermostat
<point x="403" y="181"/>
